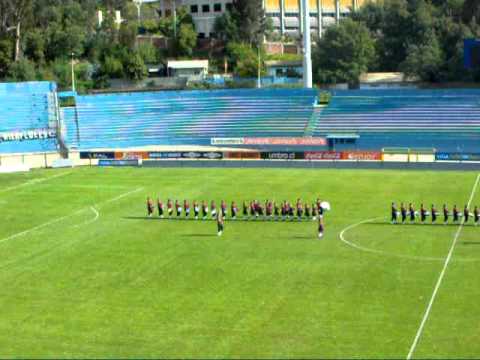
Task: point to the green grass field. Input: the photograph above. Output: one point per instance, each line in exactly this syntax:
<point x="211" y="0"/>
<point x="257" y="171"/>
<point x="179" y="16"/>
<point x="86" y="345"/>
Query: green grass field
<point x="77" y="281"/>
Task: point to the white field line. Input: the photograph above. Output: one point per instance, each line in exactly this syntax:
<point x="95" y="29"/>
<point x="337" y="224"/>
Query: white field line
<point x="97" y="215"/>
<point x="442" y="274"/>
<point x="34" y="181"/>
<point x="119" y="197"/>
<point x="25" y="232"/>
<point x="381" y="252"/>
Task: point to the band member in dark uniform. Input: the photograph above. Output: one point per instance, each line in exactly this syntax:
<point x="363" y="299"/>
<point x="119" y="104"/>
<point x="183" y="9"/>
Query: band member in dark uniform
<point x="423" y="214"/>
<point x="220" y="223"/>
<point x="445" y="214"/>
<point x="321" y="227"/>
<point x="466" y="214"/>
<point x="223" y="207"/>
<point x="213" y="209"/>
<point x="204" y="209"/>
<point x="169" y="207"/>
<point x="320" y="210"/>
<point x="299" y="210"/>
<point x="276" y="210"/>
<point x="178" y="208"/>
<point x="314" y="211"/>
<point x="284" y="210"/>
<point x="234" y="210"/>
<point x="290" y="211"/>
<point x="268" y="209"/>
<point x="245" y="210"/>
<point x="411" y="211"/>
<point x="253" y="210"/>
<point x="149" y="207"/>
<point x="456" y="214"/>
<point x="476" y="215"/>
<point x="160" y="208"/>
<point x="259" y="209"/>
<point x="186" y="206"/>
<point x="307" y="211"/>
<point x="196" y="209"/>
<point x="403" y="212"/>
<point x="394" y="213"/>
<point x="434" y="214"/>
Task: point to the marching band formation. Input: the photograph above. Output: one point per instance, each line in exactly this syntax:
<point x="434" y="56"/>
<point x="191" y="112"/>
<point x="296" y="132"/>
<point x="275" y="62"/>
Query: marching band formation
<point x="251" y="210"/>
<point x="401" y="216"/>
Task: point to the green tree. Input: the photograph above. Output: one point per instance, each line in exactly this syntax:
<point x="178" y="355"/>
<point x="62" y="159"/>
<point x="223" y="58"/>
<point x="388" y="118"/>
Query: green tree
<point x="134" y="66"/>
<point x="186" y="40"/>
<point x="6" y="52"/>
<point x="148" y="52"/>
<point x="471" y="11"/>
<point x="127" y="35"/>
<point x="226" y="27"/>
<point x="245" y="22"/>
<point x="424" y="60"/>
<point x="245" y="59"/>
<point x="35" y="46"/>
<point x="21" y="70"/>
<point x="112" y="67"/>
<point x="343" y="53"/>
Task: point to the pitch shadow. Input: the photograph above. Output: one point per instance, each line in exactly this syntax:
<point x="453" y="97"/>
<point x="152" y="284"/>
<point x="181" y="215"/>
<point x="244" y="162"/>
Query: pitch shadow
<point x="417" y="224"/>
<point x="307" y="221"/>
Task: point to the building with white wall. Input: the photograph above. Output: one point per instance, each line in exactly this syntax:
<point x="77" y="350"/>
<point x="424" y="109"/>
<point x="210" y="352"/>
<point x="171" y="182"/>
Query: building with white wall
<point x="285" y="14"/>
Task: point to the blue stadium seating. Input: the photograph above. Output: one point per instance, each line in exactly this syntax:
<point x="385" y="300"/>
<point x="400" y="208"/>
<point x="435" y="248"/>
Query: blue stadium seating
<point x="188" y="117"/>
<point x="400" y="110"/>
<point x="26" y="106"/>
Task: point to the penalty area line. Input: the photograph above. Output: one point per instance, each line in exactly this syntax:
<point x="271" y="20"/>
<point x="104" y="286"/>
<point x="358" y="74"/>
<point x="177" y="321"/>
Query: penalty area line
<point x="441" y="276"/>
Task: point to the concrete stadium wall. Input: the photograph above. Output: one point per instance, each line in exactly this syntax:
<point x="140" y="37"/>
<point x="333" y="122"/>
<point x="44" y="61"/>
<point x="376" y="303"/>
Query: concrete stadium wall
<point x="34" y="160"/>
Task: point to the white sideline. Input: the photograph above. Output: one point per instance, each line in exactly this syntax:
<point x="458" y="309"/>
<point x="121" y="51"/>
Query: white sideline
<point x="66" y="216"/>
<point x="34" y="181"/>
<point x="442" y="274"/>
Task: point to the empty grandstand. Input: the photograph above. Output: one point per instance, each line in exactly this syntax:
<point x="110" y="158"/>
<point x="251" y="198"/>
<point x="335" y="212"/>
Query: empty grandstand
<point x="28" y="120"/>
<point x="446" y="120"/>
<point x="186" y="117"/>
<point x="442" y="119"/>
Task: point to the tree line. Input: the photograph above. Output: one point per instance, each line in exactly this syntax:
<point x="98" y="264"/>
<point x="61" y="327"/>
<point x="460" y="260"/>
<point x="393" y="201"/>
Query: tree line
<point x="422" y="38"/>
<point x="39" y="38"/>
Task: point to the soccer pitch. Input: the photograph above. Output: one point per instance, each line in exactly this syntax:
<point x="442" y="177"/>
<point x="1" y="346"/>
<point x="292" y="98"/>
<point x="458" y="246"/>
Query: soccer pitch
<point x="83" y="273"/>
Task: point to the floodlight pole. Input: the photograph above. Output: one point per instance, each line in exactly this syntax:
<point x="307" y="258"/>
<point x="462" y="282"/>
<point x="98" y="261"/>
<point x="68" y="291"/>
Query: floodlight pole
<point x="307" y="46"/>
<point x="259" y="78"/>
<point x="73" y="74"/>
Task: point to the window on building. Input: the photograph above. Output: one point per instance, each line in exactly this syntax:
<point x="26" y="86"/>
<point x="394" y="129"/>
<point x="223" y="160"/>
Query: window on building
<point x="206" y="8"/>
<point x="168" y="12"/>
<point x="193" y="9"/>
<point x="212" y="35"/>
<point x="217" y="7"/>
<point x="201" y="35"/>
<point x="159" y="12"/>
<point x="229" y="6"/>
